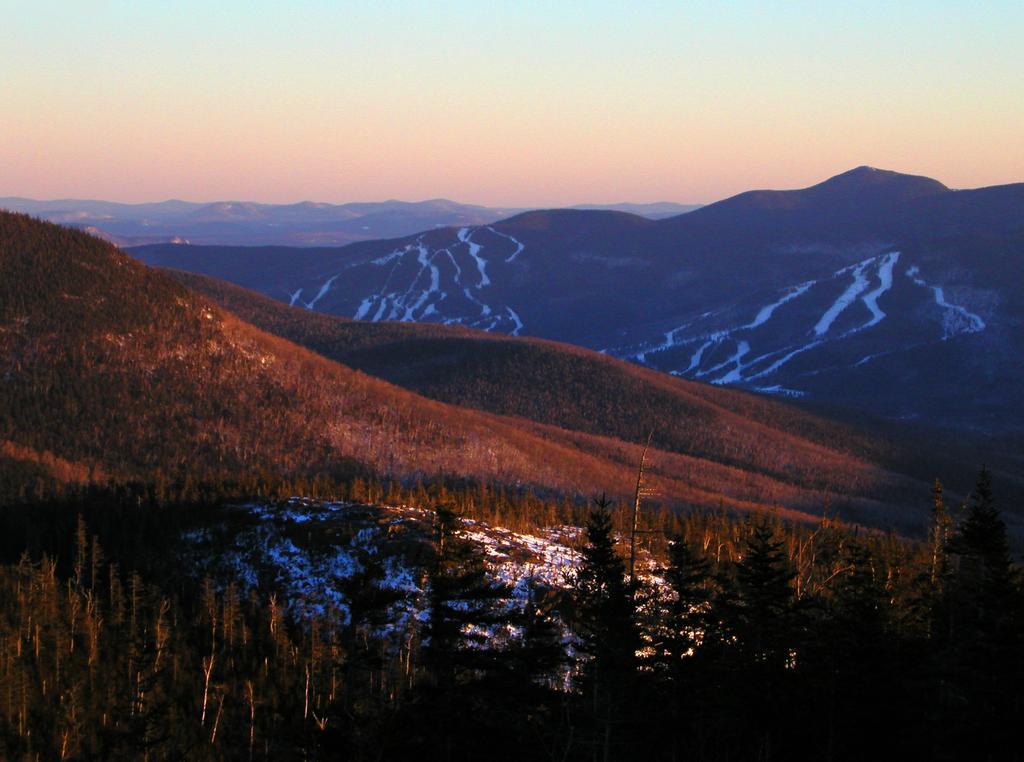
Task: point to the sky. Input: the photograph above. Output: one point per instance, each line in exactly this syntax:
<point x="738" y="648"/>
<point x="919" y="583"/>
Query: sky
<point x="501" y="103"/>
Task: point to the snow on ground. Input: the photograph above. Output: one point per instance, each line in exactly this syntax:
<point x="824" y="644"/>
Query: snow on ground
<point x="515" y="319"/>
<point x="885" y="283"/>
<point x="766" y="312"/>
<point x="736" y="374"/>
<point x="957" y="319"/>
<point x="848" y="297"/>
<point x="437" y="288"/>
<point x="305" y="550"/>
<point x="520" y="560"/>
<point x="519" y="246"/>
<point x="867" y="283"/>
<point x="310" y="552"/>
<point x="320" y="294"/>
<point x="464" y="235"/>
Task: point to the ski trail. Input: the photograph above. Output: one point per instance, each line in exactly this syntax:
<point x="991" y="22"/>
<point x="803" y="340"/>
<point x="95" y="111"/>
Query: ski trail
<point x="295" y="297"/>
<point x="736" y="374"/>
<point x="364" y="307"/>
<point x="458" y="270"/>
<point x="394" y="267"/>
<point x="845" y="299"/>
<point x="764" y="315"/>
<point x="519" y="246"/>
<point x="884" y="284"/>
<point x="485" y="309"/>
<point x="515" y="319"/>
<point x="695" y="358"/>
<point x="474" y="252"/>
<point x="668" y="342"/>
<point x="426" y="260"/>
<point x="741" y="348"/>
<point x="958" y="319"/>
<point x="323" y="290"/>
<point x="396" y="254"/>
<point x="783" y="360"/>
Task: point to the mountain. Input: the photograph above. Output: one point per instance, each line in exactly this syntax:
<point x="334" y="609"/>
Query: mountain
<point x="581" y="390"/>
<point x="654" y="211"/>
<point x="871" y="292"/>
<point x="246" y="223"/>
<point x="115" y="370"/>
<point x="303" y="224"/>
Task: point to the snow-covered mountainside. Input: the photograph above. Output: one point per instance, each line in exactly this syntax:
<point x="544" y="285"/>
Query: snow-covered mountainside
<point x="779" y="349"/>
<point x="446" y="283"/>
<point x="853" y="292"/>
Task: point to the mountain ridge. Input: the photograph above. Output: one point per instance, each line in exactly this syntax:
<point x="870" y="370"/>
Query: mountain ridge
<point x="824" y="298"/>
<point x="114" y="367"/>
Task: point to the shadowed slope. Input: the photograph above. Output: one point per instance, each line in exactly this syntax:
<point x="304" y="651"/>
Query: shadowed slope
<point x="583" y="391"/>
<point x="114" y="368"/>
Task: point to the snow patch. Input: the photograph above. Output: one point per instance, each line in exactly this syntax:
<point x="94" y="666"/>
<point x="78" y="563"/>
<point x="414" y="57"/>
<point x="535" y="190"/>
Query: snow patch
<point x="855" y="289"/>
<point x="323" y="290"/>
<point x="519" y="246"/>
<point x="885" y="283"/>
<point x="474" y="251"/>
<point x="957" y="319"/>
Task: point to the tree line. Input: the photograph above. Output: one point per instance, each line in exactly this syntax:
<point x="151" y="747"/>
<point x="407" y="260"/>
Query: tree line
<point x="743" y="638"/>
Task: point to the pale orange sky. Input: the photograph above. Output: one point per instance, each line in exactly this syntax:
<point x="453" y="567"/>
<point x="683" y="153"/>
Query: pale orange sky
<point x="503" y="104"/>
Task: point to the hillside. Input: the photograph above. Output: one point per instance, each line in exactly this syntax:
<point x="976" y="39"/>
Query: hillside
<point x="116" y="369"/>
<point x="878" y="292"/>
<point x="584" y="391"/>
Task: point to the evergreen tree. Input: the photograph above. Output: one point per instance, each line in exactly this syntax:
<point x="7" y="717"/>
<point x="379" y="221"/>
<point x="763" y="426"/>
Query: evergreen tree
<point x="467" y="612"/>
<point x="683" y="638"/>
<point x="983" y="550"/>
<point x="605" y="623"/>
<point x="760" y="650"/>
<point x="982" y="642"/>
<point x="762" y="610"/>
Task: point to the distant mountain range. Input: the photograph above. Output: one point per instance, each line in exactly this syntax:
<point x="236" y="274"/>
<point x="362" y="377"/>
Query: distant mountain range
<point x="873" y="291"/>
<point x="112" y="370"/>
<point x="251" y="224"/>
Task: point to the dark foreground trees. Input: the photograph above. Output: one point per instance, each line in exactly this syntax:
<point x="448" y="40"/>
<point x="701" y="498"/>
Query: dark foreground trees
<point x="748" y="640"/>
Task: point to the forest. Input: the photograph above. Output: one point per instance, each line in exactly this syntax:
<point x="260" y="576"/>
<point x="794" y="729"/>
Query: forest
<point x="776" y="640"/>
<point x="777" y="620"/>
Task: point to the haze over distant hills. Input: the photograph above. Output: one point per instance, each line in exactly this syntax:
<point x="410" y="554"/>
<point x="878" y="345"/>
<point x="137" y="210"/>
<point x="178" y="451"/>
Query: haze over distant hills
<point x="254" y="224"/>
<point x="873" y="291"/>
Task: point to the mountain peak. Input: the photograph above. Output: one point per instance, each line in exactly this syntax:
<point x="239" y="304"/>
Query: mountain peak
<point x="865" y="176"/>
<point x="853" y="191"/>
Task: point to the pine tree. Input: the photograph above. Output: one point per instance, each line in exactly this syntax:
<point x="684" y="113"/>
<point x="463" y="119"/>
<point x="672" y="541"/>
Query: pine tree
<point x="466" y="613"/>
<point x="688" y="621"/>
<point x="763" y="616"/>
<point x="681" y="641"/>
<point x="760" y="622"/>
<point x="983" y="549"/>
<point x="983" y="640"/>
<point x="605" y="623"/>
